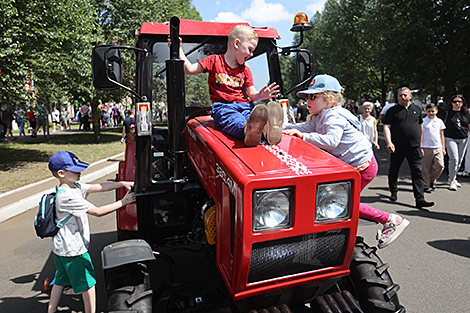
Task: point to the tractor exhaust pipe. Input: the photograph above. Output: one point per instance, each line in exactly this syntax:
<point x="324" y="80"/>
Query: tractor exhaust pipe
<point x="176" y="105"/>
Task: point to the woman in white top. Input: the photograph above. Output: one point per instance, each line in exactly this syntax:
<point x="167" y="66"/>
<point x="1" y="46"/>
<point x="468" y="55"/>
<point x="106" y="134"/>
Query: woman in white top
<point x="369" y="124"/>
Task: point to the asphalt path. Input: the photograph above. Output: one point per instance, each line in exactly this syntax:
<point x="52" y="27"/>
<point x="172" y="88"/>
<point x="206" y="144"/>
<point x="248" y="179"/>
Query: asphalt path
<point x="430" y="260"/>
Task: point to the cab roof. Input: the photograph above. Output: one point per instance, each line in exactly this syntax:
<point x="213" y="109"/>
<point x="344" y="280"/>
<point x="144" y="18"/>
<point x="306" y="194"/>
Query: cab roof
<point x="200" y="28"/>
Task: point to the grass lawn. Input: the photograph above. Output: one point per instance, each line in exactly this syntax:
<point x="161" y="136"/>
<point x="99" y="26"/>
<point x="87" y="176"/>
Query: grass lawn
<point x="23" y="163"/>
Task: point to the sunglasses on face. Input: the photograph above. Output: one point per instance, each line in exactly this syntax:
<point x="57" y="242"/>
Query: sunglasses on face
<point x="311" y="97"/>
<point x="457" y="101"/>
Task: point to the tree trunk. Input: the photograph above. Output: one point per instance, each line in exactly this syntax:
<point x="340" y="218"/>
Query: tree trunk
<point x="96" y="121"/>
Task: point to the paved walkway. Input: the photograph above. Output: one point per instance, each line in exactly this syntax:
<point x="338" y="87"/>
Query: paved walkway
<point x="17" y="201"/>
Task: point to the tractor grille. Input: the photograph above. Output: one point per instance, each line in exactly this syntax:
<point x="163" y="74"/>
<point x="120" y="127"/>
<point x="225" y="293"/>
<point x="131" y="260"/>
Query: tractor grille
<point x="295" y="255"/>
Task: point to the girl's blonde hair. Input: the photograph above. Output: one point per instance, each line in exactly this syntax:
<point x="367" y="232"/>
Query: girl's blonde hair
<point x="368" y="104"/>
<point x="333" y="99"/>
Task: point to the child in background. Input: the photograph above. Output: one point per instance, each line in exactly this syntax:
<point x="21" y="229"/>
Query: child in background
<point x="70" y="245"/>
<point x="369" y="124"/>
<point x="230" y="82"/>
<point x="337" y="131"/>
<point x="434" y="147"/>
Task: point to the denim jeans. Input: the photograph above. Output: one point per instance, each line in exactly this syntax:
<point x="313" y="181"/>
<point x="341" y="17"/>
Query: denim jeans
<point x="455" y="151"/>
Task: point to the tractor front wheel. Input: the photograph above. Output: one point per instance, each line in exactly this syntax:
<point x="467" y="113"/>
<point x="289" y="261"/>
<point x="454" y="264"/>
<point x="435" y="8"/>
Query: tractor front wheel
<point x="373" y="286"/>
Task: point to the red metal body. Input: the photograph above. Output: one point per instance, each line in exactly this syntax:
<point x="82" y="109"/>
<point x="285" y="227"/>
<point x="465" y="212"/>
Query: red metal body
<point x="190" y="27"/>
<point x="227" y="167"/>
<point x="127" y="215"/>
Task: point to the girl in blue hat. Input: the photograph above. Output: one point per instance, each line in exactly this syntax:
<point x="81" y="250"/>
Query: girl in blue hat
<point x="338" y="131"/>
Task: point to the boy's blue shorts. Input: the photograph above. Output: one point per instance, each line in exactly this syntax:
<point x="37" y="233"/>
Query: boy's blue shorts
<point x="231" y="117"/>
<point x="76" y="271"/>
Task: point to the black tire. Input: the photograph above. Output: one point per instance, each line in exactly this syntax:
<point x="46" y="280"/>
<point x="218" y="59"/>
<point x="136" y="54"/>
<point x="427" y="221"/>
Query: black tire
<point x="129" y="289"/>
<point x="373" y="285"/>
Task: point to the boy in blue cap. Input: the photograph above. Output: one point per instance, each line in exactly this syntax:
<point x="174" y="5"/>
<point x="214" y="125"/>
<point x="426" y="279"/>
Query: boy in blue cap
<point x="70" y="245"/>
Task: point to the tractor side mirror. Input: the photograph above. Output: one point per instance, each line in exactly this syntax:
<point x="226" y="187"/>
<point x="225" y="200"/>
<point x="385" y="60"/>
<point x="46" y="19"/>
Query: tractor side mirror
<point x="107" y="67"/>
<point x="305" y="70"/>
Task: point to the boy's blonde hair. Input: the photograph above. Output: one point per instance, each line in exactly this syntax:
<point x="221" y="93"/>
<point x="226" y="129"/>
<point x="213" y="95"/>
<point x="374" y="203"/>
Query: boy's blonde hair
<point x="242" y="32"/>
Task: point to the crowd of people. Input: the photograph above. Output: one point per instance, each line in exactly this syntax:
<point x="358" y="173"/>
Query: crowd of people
<point x="36" y="118"/>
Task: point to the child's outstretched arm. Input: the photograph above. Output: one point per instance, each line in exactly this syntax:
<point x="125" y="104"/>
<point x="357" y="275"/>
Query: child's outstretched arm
<point x="106" y="209"/>
<point x="110" y="186"/>
<point x="189" y="68"/>
<point x="265" y="93"/>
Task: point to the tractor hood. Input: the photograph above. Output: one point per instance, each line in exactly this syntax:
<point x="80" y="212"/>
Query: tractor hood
<point x="291" y="157"/>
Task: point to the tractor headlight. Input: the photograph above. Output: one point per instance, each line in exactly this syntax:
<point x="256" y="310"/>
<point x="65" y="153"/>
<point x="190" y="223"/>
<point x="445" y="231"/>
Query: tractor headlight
<point x="272" y="209"/>
<point x="333" y="202"/>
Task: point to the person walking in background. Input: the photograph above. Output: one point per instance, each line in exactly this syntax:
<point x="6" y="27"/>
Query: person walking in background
<point x="434" y="148"/>
<point x="391" y="103"/>
<point x="130" y="120"/>
<point x="55" y="115"/>
<point x="115" y="115"/>
<point x="403" y="127"/>
<point x="65" y="119"/>
<point x="369" y="125"/>
<point x="32" y="121"/>
<point x="20" y="116"/>
<point x="41" y="117"/>
<point x="7" y="120"/>
<point x="337" y="130"/>
<point x="457" y="121"/>
<point x="84" y="117"/>
<point x="302" y="112"/>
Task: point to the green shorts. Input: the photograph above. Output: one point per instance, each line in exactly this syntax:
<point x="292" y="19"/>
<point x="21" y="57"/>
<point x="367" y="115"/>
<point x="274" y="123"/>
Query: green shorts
<point x="76" y="271"/>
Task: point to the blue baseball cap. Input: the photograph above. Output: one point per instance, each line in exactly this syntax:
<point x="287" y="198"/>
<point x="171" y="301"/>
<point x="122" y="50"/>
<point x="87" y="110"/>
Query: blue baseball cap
<point x="64" y="160"/>
<point x="319" y="84"/>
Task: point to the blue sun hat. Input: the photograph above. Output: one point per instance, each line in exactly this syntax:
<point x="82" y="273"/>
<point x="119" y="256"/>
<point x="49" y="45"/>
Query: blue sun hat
<point x="64" y="160"/>
<point x="319" y="84"/>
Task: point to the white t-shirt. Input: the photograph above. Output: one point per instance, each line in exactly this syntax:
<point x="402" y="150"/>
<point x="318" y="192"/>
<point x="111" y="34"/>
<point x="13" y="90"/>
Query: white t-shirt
<point x="74" y="237"/>
<point x="432" y="132"/>
<point x="55" y="116"/>
<point x="368" y="128"/>
<point x="386" y="107"/>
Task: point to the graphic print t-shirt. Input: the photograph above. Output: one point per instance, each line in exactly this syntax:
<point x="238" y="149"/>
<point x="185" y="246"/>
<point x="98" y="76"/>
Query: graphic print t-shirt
<point x="226" y="84"/>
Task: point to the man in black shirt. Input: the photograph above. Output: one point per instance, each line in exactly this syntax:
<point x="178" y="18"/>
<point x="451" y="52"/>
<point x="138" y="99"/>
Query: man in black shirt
<point x="403" y="126"/>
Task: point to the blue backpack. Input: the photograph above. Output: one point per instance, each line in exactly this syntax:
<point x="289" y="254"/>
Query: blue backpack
<point x="44" y="222"/>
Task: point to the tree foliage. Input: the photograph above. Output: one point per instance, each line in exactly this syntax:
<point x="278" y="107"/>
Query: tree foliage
<point x="372" y="46"/>
<point x="49" y="44"/>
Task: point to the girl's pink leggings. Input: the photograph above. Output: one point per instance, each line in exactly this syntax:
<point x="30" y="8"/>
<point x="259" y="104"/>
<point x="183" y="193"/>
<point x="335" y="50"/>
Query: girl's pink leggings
<point x="366" y="211"/>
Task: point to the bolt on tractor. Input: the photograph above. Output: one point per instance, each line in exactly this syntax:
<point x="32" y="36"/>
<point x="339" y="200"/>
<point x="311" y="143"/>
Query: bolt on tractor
<point x="221" y="227"/>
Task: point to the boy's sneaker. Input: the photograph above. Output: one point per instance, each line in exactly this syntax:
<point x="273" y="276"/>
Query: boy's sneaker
<point x="273" y="129"/>
<point x="453" y="185"/>
<point x="255" y="124"/>
<point x="392" y="229"/>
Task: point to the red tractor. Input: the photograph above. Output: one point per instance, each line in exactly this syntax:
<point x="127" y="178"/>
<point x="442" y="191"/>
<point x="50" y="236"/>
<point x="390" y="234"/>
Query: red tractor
<point x="221" y="227"/>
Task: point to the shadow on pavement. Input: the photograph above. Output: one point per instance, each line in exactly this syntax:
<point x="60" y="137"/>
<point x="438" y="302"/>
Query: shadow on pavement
<point x="458" y="247"/>
<point x="69" y="300"/>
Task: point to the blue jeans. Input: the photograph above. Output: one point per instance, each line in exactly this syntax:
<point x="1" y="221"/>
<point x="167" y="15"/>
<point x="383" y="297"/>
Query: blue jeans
<point x="455" y="151"/>
<point x="21" y="127"/>
<point x="231" y="117"/>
